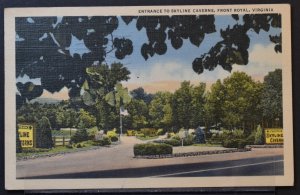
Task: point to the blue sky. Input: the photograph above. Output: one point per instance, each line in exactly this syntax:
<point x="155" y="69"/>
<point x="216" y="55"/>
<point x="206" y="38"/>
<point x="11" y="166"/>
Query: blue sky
<point x="176" y="65"/>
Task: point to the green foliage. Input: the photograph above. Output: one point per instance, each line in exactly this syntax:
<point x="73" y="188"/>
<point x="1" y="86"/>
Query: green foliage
<point x="181" y="105"/>
<point x="79" y="136"/>
<point x="140" y="135"/>
<point x="160" y="132"/>
<point x="234" y="143"/>
<point x="151" y="132"/>
<point x="199" y="136"/>
<point x="160" y="110"/>
<point x="272" y="97"/>
<point x="138" y="113"/>
<point x="131" y="132"/>
<point x="172" y="142"/>
<point x="35" y="150"/>
<point x="140" y="94"/>
<point x="152" y="149"/>
<point x="43" y="133"/>
<point x="111" y="133"/>
<point x="18" y="142"/>
<point x="259" y="135"/>
<point x="170" y="134"/>
<point x="105" y="141"/>
<point x="86" y="120"/>
<point x="114" y="138"/>
<point x="197" y="105"/>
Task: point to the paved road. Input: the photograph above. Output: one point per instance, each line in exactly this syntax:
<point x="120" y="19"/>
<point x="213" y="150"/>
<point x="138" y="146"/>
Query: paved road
<point x="118" y="161"/>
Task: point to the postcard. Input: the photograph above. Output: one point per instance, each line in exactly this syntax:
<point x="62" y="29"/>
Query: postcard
<point x="148" y="97"/>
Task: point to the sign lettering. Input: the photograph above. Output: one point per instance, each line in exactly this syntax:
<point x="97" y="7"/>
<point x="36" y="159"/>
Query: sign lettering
<point x="274" y="136"/>
<point x="26" y="135"/>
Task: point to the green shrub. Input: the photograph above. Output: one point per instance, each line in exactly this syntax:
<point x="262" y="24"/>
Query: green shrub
<point x="112" y="133"/>
<point x="114" y="138"/>
<point x="251" y="138"/>
<point x="79" y="136"/>
<point x="160" y="132"/>
<point x="139" y="135"/>
<point x="43" y="133"/>
<point x="18" y="142"/>
<point x="131" y="132"/>
<point x="102" y="142"/>
<point x="79" y="146"/>
<point x="148" y="132"/>
<point x="234" y="143"/>
<point x="238" y="133"/>
<point x="170" y="134"/>
<point x="259" y="135"/>
<point x="172" y="142"/>
<point x="152" y="149"/>
<point x="189" y="140"/>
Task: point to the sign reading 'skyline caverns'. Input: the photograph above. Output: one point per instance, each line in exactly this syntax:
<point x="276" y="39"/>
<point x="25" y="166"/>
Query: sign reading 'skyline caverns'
<point x="149" y="97"/>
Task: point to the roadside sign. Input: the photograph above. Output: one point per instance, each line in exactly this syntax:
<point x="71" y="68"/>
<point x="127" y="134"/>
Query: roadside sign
<point x="274" y="136"/>
<point x="26" y="135"/>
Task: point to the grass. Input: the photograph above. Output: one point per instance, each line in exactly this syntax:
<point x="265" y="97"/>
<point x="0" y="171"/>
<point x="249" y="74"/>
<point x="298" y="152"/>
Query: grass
<point x="55" y="150"/>
<point x="145" y="138"/>
<point x="207" y="145"/>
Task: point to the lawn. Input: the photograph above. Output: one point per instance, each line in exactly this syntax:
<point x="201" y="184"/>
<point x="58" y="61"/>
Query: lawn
<point x="55" y="150"/>
<point x="207" y="145"/>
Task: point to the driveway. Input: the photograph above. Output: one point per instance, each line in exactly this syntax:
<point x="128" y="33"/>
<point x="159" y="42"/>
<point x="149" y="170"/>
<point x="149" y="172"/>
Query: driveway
<point x="120" y="157"/>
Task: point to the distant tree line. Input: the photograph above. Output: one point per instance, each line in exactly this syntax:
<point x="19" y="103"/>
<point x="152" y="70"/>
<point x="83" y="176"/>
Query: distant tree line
<point x="237" y="102"/>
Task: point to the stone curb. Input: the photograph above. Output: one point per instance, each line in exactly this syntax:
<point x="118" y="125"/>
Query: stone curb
<point x="187" y="154"/>
<point x="265" y="146"/>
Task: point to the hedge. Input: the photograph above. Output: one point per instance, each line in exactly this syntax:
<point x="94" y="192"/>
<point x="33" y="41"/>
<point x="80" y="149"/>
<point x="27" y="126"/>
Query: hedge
<point x="152" y="149"/>
<point x="172" y="142"/>
<point x="235" y="143"/>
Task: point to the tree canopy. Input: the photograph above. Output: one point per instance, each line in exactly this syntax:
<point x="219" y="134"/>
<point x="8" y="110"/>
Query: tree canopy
<point x="43" y="45"/>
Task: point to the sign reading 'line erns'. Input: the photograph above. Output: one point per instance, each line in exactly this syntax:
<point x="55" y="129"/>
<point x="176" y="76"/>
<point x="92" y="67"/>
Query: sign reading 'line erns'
<point x="26" y="135"/>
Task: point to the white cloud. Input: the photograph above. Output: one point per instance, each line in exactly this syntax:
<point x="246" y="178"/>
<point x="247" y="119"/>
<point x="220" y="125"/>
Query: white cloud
<point x="262" y="59"/>
<point x="174" y="71"/>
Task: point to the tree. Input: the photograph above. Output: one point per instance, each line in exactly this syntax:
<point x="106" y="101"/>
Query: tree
<point x="198" y="101"/>
<point x="213" y="106"/>
<point x="181" y="106"/>
<point x="86" y="119"/>
<point x="44" y="136"/>
<point x="160" y="110"/>
<point x="272" y="98"/>
<point x="103" y="93"/>
<point x="241" y="101"/>
<point x="138" y="114"/>
<point x="140" y="94"/>
<point x="42" y="45"/>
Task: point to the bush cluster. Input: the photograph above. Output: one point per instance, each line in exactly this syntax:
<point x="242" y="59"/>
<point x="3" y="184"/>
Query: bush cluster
<point x="152" y="149"/>
<point x="234" y="143"/>
<point x="113" y="136"/>
<point x="160" y="132"/>
<point x="151" y="132"/>
<point x="102" y="142"/>
<point x="189" y="140"/>
<point x="172" y="142"/>
<point x="79" y="136"/>
<point x="131" y="132"/>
